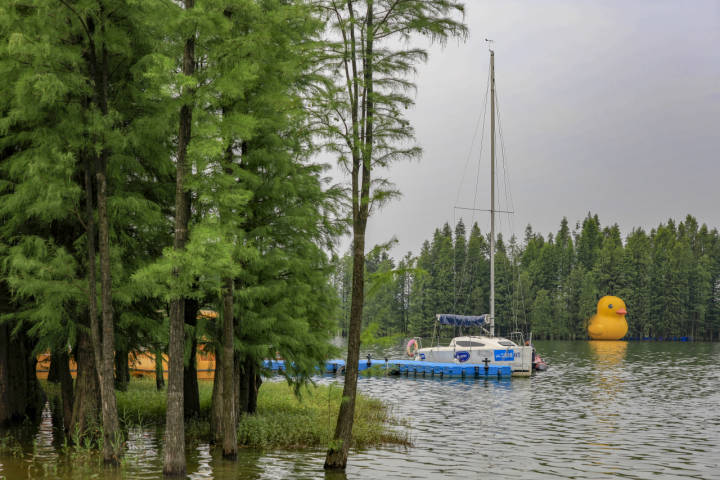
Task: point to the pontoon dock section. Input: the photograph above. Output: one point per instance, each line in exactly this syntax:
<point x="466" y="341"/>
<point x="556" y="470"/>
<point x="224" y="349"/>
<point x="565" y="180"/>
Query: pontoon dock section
<point x="412" y="367"/>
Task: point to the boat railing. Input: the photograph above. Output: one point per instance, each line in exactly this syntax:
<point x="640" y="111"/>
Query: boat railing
<point x="518" y="337"/>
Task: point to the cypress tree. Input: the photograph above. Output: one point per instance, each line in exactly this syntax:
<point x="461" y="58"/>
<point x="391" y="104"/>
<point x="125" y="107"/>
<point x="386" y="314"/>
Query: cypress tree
<point x="359" y="111"/>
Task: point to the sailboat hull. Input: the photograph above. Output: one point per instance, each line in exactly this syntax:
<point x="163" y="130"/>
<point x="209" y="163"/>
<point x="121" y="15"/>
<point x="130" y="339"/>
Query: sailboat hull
<point x="481" y="351"/>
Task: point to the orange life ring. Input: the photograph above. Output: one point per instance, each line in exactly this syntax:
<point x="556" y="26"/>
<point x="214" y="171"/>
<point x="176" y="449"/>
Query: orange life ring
<point x="412" y="348"/>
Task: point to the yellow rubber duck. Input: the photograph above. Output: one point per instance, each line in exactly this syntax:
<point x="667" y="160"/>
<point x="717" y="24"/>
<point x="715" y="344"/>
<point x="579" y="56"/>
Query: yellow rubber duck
<point x="609" y="322"/>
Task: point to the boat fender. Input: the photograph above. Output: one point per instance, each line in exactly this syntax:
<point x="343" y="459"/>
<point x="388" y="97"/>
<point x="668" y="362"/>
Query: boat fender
<point x="412" y="348"/>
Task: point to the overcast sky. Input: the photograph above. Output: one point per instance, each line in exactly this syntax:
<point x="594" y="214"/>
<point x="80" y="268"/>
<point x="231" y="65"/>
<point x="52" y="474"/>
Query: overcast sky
<point x="611" y="107"/>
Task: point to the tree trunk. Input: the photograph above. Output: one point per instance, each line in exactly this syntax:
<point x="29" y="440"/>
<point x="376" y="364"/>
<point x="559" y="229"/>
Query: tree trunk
<point x="336" y="458"/>
<point x="111" y="430"/>
<point x="88" y="355"/>
<point x="66" y="387"/>
<point x="122" y="370"/>
<point x="159" y="370"/>
<point x="248" y="382"/>
<point x="174" y="461"/>
<point x="242" y="392"/>
<point x="254" y="388"/>
<point x="191" y="389"/>
<point x="239" y="386"/>
<point x="86" y="404"/>
<point x="20" y="393"/>
<point x="229" y="420"/>
<point x="216" y="409"/>
<point x="5" y="411"/>
<point x="100" y="70"/>
<point x="338" y="452"/>
<point x="53" y="374"/>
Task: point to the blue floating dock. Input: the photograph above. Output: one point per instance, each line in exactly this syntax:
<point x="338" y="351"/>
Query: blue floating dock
<point x="411" y="367"/>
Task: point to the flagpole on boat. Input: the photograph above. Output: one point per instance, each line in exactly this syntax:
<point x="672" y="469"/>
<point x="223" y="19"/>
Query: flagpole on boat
<point x="492" y="192"/>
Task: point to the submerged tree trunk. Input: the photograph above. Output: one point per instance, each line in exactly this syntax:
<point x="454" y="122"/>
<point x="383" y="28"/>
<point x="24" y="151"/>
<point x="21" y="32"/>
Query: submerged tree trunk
<point x="111" y="428"/>
<point x="338" y="452"/>
<point x="97" y="58"/>
<point x="174" y="461"/>
<point x="191" y="389"/>
<point x="86" y="404"/>
<point x="229" y="420"/>
<point x="88" y="353"/>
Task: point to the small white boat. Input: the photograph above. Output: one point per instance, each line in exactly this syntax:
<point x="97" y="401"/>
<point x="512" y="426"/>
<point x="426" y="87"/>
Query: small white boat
<point x="478" y="349"/>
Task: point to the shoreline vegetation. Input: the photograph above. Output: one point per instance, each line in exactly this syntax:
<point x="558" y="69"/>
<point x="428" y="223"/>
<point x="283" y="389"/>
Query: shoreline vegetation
<point x="283" y="421"/>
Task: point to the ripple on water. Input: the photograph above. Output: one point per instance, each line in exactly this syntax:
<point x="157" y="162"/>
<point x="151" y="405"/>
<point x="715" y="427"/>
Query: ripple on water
<point x="615" y="409"/>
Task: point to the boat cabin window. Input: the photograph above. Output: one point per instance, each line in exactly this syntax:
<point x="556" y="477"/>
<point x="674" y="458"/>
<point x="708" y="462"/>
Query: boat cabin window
<point x="466" y="343"/>
<point x="506" y="343"/>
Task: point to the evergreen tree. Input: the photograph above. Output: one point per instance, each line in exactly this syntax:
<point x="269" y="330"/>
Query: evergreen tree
<point x="608" y="262"/>
<point x="441" y="272"/>
<point x="476" y="273"/>
<point x="460" y="282"/>
<point x="635" y="284"/>
<point x="421" y="314"/>
<point x="369" y="68"/>
<point x="589" y="241"/>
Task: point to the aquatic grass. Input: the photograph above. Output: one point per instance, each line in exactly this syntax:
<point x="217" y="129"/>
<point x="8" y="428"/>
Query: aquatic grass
<point x="286" y="421"/>
<point x="283" y="420"/>
<point x="142" y="403"/>
<point x="9" y="445"/>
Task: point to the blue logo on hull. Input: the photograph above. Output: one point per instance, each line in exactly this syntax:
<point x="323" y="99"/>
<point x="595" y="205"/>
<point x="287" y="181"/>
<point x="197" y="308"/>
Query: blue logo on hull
<point x="504" y="355"/>
<point x="462" y="356"/>
<point x="422" y="356"/>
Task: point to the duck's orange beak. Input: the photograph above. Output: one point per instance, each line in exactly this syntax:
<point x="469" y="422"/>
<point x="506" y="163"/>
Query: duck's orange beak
<point x="621" y="311"/>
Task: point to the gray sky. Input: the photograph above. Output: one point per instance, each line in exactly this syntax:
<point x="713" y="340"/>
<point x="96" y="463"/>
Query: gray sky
<point x="606" y="106"/>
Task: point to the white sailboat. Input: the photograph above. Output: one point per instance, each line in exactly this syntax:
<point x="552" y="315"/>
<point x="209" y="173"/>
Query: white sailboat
<point x="486" y="348"/>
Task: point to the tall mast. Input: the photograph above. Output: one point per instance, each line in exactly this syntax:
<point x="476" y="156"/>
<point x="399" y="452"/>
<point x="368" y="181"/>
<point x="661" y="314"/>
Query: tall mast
<point x="492" y="193"/>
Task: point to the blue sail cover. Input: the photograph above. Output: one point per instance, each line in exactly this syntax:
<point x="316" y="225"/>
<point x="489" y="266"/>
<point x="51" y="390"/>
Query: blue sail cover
<point x="460" y="320"/>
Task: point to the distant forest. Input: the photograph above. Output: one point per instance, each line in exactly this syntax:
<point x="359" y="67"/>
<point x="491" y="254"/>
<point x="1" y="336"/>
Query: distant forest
<point x="669" y="278"/>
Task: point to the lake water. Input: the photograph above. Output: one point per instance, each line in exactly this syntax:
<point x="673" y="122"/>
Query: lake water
<point x="603" y="409"/>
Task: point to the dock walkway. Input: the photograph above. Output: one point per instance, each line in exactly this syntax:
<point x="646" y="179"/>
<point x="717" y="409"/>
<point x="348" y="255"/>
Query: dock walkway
<point x="411" y="367"/>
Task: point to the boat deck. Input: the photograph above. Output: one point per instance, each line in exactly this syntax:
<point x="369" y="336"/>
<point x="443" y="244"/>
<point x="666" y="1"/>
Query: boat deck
<point x="411" y="367"/>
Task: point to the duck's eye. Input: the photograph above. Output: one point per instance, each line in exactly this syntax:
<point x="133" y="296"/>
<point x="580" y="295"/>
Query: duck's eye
<point x="610" y="306"/>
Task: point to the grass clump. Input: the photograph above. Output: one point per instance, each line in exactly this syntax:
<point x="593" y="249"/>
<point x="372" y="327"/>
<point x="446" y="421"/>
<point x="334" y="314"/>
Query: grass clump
<point x="283" y="420"/>
<point x="143" y="404"/>
<point x="286" y="421"/>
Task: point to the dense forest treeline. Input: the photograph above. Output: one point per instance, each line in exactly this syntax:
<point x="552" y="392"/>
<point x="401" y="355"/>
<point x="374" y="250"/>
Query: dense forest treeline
<point x="669" y="279"/>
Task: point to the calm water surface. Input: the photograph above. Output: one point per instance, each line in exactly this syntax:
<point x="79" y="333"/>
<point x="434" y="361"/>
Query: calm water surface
<point x="603" y="409"/>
